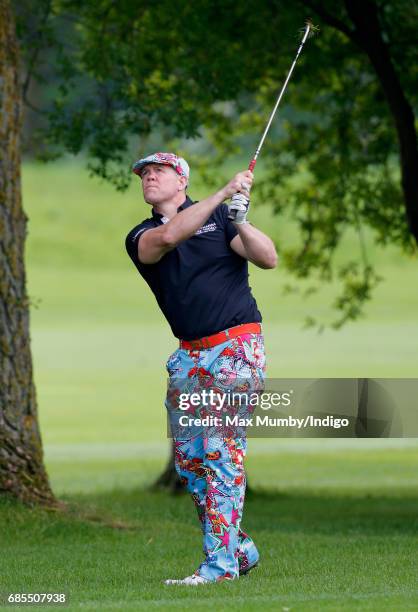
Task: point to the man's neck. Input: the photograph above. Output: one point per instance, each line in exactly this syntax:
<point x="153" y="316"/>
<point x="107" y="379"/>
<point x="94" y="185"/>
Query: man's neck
<point x="169" y="209"/>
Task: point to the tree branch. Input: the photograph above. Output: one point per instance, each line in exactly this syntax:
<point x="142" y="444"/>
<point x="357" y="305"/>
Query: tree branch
<point x="367" y="34"/>
<point x="332" y="20"/>
<point x="34" y="108"/>
<point x="37" y="49"/>
<point x="364" y="15"/>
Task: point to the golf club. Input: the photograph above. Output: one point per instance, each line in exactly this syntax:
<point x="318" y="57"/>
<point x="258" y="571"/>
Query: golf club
<point x="308" y="28"/>
<point x="239" y="203"/>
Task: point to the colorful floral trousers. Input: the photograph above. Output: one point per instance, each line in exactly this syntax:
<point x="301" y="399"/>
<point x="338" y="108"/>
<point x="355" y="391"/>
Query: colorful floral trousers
<point x="209" y="461"/>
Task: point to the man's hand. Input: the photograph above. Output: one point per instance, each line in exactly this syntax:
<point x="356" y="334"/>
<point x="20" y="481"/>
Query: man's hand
<point x="239" y="188"/>
<point x="241" y="183"/>
<point x="238" y="208"/>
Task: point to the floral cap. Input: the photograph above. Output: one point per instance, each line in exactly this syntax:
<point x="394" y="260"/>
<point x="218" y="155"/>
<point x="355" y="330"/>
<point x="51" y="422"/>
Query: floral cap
<point x="179" y="164"/>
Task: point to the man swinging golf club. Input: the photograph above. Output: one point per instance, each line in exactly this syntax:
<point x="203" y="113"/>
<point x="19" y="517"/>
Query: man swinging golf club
<point x="194" y="256"/>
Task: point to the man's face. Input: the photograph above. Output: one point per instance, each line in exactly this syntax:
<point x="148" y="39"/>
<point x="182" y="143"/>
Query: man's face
<point x="161" y="183"/>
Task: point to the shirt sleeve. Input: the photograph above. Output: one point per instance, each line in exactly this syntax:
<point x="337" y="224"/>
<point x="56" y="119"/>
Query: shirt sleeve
<point x="132" y="239"/>
<point x="230" y="229"/>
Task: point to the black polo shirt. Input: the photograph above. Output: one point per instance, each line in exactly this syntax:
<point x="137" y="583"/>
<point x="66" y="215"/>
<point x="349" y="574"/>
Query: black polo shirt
<point x="202" y="285"/>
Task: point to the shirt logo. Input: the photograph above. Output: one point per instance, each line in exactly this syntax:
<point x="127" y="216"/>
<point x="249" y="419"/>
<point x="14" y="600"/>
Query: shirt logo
<point x="210" y="227"/>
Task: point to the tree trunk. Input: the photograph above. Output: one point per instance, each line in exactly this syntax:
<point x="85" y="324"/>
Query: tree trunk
<point x="169" y="479"/>
<point x="367" y="34"/>
<point x="364" y="15"/>
<point x="22" y="473"/>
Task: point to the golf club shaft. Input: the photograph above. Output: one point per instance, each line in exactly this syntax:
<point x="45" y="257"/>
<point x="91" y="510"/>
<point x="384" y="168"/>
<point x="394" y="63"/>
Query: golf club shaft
<point x="254" y="160"/>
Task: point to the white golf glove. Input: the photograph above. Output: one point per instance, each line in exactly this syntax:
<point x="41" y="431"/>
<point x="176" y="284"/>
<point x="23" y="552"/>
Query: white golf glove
<point x="238" y="208"/>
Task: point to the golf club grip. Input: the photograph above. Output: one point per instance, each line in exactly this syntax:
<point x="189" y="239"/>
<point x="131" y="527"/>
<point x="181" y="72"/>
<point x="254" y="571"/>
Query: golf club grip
<point x="252" y="164"/>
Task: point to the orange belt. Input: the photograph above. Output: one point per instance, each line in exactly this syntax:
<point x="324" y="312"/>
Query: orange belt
<point x="223" y="336"/>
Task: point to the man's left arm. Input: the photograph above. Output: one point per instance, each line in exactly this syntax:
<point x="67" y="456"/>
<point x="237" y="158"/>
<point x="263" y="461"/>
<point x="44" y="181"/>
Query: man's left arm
<point x="255" y="246"/>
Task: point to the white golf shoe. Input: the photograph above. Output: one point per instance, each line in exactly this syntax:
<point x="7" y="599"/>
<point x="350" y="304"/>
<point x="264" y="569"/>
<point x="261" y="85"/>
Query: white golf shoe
<point x="189" y="581"/>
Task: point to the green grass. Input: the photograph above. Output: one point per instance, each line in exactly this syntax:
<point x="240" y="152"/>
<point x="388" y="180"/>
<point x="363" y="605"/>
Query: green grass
<point x="335" y="520"/>
<point x="332" y="545"/>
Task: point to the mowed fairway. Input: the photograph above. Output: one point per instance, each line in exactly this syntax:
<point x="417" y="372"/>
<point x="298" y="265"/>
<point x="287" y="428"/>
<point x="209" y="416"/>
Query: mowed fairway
<point x="335" y="520"/>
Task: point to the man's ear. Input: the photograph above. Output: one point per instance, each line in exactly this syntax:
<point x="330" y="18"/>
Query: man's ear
<point x="183" y="183"/>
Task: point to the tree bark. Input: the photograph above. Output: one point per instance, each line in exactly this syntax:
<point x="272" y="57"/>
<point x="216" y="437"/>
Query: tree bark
<point x="22" y="472"/>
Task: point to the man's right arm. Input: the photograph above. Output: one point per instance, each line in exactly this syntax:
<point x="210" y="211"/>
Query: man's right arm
<point x="156" y="242"/>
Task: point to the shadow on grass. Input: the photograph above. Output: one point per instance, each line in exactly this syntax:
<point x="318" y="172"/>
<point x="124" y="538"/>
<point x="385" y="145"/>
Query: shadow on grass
<point x="297" y="512"/>
<point x="327" y="513"/>
<point x="313" y="547"/>
<point x="279" y="512"/>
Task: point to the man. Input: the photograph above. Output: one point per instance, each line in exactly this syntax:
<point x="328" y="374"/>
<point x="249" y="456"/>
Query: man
<point x="195" y="260"/>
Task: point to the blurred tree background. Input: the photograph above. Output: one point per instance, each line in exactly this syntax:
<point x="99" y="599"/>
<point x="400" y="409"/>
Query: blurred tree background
<point x="113" y="75"/>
